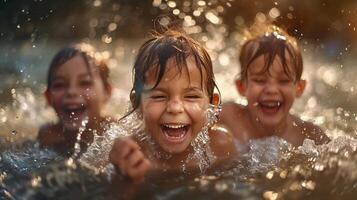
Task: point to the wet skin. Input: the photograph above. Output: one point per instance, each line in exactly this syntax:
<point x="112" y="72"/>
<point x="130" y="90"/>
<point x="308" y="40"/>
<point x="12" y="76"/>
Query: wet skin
<point x="173" y="114"/>
<point x="77" y="92"/>
<point x="270" y="95"/>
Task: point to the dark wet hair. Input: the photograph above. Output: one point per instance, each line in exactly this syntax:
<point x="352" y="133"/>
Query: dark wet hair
<point x="155" y="53"/>
<point x="87" y="52"/>
<point x="271" y="41"/>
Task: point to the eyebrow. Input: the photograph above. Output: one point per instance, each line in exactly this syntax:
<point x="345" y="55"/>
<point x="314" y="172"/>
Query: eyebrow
<point x="85" y="75"/>
<point x="194" y="88"/>
<point x="189" y="89"/>
<point x="80" y="76"/>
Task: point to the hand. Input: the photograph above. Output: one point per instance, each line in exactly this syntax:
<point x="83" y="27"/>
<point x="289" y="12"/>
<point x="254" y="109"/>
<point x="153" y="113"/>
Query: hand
<point x="127" y="157"/>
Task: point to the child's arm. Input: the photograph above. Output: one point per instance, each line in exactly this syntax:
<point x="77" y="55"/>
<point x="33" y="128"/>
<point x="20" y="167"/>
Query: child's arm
<point x="127" y="157"/>
<point x="49" y="135"/>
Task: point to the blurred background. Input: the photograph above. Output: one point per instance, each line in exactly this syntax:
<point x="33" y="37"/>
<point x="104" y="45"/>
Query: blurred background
<point x="32" y="31"/>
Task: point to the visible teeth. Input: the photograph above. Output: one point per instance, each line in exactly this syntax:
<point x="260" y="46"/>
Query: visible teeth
<point x="271" y="104"/>
<point x="174" y="126"/>
<point x="255" y="104"/>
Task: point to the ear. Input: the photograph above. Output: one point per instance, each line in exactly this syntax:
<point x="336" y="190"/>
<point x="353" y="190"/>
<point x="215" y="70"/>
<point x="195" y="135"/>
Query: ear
<point x="300" y="87"/>
<point x="132" y="97"/>
<point x="132" y="101"/>
<point x="108" y="92"/>
<point x="241" y="86"/>
<point x="48" y="97"/>
<point x="216" y="100"/>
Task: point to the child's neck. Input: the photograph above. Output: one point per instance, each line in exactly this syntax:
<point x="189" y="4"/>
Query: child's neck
<point x="176" y="161"/>
<point x="259" y="130"/>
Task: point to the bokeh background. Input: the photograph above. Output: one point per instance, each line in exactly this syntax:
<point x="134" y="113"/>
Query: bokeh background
<point x="32" y="31"/>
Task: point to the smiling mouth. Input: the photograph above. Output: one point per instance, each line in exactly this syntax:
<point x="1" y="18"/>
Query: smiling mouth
<point x="75" y="112"/>
<point x="175" y="132"/>
<point x="270" y="107"/>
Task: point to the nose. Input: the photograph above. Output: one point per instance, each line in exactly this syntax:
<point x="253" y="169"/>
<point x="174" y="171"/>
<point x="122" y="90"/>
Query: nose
<point x="72" y="90"/>
<point x="174" y="106"/>
<point x="272" y="87"/>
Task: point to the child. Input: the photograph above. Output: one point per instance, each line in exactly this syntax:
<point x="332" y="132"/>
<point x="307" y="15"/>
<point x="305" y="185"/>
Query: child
<point x="77" y="89"/>
<point x="270" y="79"/>
<point x="173" y="88"/>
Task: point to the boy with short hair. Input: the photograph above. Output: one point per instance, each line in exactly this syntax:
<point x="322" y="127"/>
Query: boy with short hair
<point x="270" y="79"/>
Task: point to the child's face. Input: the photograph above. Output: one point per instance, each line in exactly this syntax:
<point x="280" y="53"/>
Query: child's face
<point x="76" y="92"/>
<point x="174" y="111"/>
<point x="270" y="95"/>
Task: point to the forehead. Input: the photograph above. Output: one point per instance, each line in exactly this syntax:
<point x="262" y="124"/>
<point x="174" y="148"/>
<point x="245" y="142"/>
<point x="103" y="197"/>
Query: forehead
<point x="174" y="72"/>
<point x="260" y="65"/>
<point x="74" y="66"/>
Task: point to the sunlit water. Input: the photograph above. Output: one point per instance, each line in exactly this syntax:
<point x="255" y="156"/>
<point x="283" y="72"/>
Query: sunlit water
<point x="271" y="169"/>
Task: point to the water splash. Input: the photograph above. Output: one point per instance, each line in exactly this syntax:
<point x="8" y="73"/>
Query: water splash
<point x="201" y="150"/>
<point x="77" y="144"/>
<point x="98" y="152"/>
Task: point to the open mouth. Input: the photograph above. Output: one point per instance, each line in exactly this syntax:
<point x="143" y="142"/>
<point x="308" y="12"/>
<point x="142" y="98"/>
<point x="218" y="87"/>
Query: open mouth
<point x="175" y="132"/>
<point x="270" y="107"/>
<point x="75" y="112"/>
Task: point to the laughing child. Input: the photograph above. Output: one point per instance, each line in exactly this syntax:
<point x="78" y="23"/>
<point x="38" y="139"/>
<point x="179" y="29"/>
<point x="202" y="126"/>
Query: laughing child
<point x="77" y="89"/>
<point x="172" y="92"/>
<point x="270" y="80"/>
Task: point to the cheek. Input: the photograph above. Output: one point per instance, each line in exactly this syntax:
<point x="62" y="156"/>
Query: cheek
<point x="290" y="91"/>
<point x="253" y="91"/>
<point x="197" y="110"/>
<point x="150" y="111"/>
<point x="93" y="95"/>
<point x="56" y="98"/>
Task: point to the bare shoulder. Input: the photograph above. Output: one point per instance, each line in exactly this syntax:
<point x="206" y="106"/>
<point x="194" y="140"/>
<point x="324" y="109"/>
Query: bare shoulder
<point x="49" y="134"/>
<point x="231" y="109"/>
<point x="313" y="132"/>
<point x="221" y="142"/>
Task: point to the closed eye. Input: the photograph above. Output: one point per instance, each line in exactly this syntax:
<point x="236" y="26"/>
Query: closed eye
<point x="58" y="85"/>
<point x="158" y="97"/>
<point x="193" y="96"/>
<point x="258" y="80"/>
<point x="285" y="81"/>
<point x="85" y="83"/>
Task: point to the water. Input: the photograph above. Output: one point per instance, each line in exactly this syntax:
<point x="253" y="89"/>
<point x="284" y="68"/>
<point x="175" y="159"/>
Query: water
<point x="272" y="169"/>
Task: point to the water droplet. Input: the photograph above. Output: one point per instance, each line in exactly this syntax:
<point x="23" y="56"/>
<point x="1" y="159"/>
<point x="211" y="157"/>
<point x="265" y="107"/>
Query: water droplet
<point x="97" y="3"/>
<point x="270" y="195"/>
<point x="112" y="27"/>
<point x="274" y="13"/>
<point x="13" y="132"/>
<point x="156" y="3"/>
<point x="171" y="4"/>
<point x="176" y="12"/>
<point x="269" y="175"/>
<point x="201" y="3"/>
<point x="36" y="181"/>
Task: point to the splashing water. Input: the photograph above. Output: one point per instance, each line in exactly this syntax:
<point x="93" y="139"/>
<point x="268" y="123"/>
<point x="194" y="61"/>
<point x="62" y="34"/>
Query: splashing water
<point x="132" y="125"/>
<point x="201" y="150"/>
<point x="77" y="146"/>
<point x="270" y="170"/>
<point x="98" y="152"/>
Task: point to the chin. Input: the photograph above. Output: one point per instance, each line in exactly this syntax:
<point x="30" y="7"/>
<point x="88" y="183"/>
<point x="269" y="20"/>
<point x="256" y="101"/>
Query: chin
<point x="71" y="126"/>
<point x="175" y="149"/>
<point x="270" y="123"/>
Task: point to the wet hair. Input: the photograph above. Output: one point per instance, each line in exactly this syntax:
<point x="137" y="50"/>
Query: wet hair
<point x="271" y="41"/>
<point x="154" y="54"/>
<point x="89" y="55"/>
